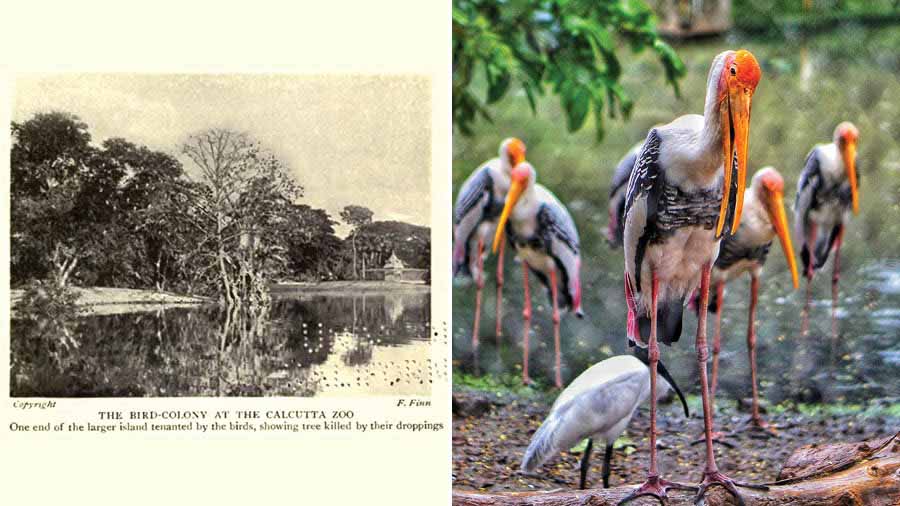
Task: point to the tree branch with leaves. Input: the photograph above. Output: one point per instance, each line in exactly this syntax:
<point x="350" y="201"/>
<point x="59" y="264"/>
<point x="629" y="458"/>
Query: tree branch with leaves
<point x="568" y="46"/>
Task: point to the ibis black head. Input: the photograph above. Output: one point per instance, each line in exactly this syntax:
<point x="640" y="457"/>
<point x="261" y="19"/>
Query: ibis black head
<point x="644" y="356"/>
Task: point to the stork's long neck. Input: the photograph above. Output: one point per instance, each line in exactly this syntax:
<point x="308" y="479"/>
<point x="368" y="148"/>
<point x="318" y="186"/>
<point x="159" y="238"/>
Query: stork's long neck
<point x="756" y="225"/>
<point x="711" y="135"/>
<point x="710" y="141"/>
<point x="500" y="174"/>
<point x="527" y="206"/>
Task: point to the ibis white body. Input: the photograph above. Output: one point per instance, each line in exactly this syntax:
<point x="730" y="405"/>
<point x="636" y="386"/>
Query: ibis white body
<point x="598" y="404"/>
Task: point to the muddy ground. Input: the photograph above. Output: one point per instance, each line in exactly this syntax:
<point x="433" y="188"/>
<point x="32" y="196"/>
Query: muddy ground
<point x="488" y="449"/>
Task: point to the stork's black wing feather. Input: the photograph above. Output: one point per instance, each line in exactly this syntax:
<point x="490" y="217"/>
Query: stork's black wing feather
<point x="623" y="172"/>
<point x="558" y="222"/>
<point x="810" y="180"/>
<point x="471" y="193"/>
<point x="731" y="251"/>
<point x="647" y="179"/>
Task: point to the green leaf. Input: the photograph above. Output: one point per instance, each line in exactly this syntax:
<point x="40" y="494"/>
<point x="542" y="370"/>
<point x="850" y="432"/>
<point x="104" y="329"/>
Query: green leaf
<point x="576" y="104"/>
<point x="580" y="447"/>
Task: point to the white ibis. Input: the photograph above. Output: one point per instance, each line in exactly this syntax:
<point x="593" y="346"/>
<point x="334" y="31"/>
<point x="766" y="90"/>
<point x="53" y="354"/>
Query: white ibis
<point x="546" y="241"/>
<point x="746" y="252"/>
<point x="474" y="219"/>
<point x="826" y="192"/>
<point x="676" y="209"/>
<point x="617" y="190"/>
<point x="598" y="404"/>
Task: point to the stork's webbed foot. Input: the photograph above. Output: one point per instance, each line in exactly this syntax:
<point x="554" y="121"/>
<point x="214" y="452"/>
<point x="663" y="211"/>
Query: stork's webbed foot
<point x="658" y="488"/>
<point x="717" y="437"/>
<point x="762" y="428"/>
<point x="711" y="478"/>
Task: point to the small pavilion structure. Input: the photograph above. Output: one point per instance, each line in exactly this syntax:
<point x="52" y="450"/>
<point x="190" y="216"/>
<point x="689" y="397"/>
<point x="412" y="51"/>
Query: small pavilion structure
<point x="396" y="271"/>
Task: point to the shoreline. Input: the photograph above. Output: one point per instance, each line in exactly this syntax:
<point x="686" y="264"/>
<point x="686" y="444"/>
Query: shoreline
<point x="109" y="300"/>
<point x="339" y="288"/>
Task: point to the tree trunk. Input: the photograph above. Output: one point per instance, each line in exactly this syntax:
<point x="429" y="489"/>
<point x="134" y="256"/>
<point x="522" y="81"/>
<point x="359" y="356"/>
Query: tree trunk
<point x="223" y="269"/>
<point x="866" y="473"/>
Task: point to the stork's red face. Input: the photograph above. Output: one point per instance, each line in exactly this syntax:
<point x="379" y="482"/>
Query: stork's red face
<point x="515" y="151"/>
<point x="520" y="177"/>
<point x="846" y="137"/>
<point x="773" y="197"/>
<point x="740" y="75"/>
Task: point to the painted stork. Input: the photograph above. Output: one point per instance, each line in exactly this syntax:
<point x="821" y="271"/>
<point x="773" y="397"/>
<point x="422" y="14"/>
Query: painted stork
<point x="546" y="241"/>
<point x="826" y="192"/>
<point x="474" y="219"/>
<point x="617" y="190"/>
<point x="676" y="210"/>
<point x="598" y="404"/>
<point x="746" y="252"/>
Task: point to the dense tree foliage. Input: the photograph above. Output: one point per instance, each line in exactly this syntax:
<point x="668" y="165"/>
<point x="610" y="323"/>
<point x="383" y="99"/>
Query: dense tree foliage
<point x="356" y="217"/>
<point x="120" y="214"/>
<point x="569" y="45"/>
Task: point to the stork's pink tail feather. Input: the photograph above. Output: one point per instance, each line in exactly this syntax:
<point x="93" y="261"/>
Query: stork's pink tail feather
<point x="634" y="333"/>
<point x="577" y="298"/>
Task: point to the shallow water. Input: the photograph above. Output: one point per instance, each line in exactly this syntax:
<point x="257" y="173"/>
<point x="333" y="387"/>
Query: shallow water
<point x="808" y="87"/>
<point x="305" y="346"/>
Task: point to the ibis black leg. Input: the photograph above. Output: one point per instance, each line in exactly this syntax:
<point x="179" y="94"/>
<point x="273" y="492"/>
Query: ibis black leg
<point x="585" y="463"/>
<point x="607" y="457"/>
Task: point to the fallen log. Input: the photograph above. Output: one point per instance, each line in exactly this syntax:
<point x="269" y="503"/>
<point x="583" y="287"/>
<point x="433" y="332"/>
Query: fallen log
<point x="845" y="474"/>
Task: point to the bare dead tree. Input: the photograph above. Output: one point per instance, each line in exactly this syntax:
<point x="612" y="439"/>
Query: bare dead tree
<point x="243" y="184"/>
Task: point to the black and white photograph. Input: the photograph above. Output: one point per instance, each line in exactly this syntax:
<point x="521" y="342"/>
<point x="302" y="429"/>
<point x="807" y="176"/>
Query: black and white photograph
<point x="207" y="235"/>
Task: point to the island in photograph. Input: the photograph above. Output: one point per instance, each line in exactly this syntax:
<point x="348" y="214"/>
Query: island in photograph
<point x="220" y="235"/>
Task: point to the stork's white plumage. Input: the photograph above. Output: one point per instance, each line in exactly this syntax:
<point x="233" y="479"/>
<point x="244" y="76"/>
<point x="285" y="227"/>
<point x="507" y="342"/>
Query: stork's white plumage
<point x="546" y="241"/>
<point x="598" y="404"/>
<point x="826" y="193"/>
<point x="687" y="183"/>
<point x="475" y="216"/>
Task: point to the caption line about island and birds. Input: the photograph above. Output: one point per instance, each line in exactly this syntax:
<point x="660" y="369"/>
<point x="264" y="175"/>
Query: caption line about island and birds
<point x="235" y="421"/>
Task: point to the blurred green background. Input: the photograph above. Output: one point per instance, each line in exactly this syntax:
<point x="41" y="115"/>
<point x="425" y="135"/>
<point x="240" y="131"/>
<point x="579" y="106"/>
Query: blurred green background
<point x="812" y="79"/>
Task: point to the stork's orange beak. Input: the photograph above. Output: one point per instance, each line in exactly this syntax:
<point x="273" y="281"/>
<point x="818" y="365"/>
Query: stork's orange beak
<point x="735" y="119"/>
<point x="512" y="197"/>
<point x="848" y="153"/>
<point x="779" y="221"/>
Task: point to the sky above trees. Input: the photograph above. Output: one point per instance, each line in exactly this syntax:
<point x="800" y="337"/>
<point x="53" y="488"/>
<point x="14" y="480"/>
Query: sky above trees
<point x="348" y="139"/>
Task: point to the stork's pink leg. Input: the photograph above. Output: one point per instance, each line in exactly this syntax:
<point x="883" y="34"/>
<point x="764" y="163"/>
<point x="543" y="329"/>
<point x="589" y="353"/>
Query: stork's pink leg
<point x="811" y="248"/>
<point x="835" y="277"/>
<point x="718" y="437"/>
<point x="553" y="293"/>
<point x="479" y="284"/>
<point x="711" y="475"/>
<point x="717" y="338"/>
<point x="804" y="315"/>
<point x="653" y="353"/>
<point x="500" y="294"/>
<point x="526" y="324"/>
<point x="755" y="419"/>
<point x="654" y="486"/>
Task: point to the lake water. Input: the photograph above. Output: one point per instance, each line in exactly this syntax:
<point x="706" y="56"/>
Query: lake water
<point x="808" y="87"/>
<point x="356" y="345"/>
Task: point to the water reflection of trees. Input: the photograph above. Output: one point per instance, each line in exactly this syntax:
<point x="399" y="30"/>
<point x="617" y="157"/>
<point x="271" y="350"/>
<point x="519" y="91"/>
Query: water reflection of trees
<point x="213" y="351"/>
